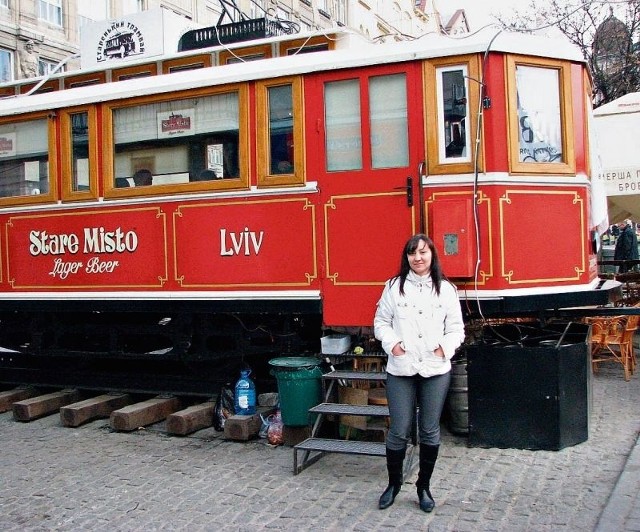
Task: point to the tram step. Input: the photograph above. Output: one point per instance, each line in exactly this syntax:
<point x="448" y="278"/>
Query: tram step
<point x="320" y="446"/>
<point x="353" y="410"/>
<point x="339" y="374"/>
<point x="342" y="446"/>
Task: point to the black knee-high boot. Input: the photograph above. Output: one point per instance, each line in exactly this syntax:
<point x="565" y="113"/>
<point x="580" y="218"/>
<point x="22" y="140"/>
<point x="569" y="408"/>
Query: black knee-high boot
<point x="395" y="460"/>
<point x="428" y="457"/>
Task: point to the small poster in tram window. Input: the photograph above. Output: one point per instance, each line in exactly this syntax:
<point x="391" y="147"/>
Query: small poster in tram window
<point x="539" y="115"/>
<point x="176" y="123"/>
<point x="8" y="145"/>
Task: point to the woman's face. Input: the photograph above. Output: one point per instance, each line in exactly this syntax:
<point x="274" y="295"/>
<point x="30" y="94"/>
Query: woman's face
<point x="420" y="259"/>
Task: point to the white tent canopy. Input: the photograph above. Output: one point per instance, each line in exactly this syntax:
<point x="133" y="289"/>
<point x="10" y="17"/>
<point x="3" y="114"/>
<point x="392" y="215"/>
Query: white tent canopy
<point x="617" y="153"/>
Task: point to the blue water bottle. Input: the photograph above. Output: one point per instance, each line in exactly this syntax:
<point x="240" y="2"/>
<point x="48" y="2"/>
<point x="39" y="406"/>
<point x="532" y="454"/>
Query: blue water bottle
<point x="245" y="396"/>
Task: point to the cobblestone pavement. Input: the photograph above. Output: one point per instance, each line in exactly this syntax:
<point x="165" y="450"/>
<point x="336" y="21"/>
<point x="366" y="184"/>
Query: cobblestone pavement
<point x="91" y="478"/>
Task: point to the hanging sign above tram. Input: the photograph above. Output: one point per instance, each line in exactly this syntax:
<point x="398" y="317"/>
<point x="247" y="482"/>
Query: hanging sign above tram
<point x="140" y="35"/>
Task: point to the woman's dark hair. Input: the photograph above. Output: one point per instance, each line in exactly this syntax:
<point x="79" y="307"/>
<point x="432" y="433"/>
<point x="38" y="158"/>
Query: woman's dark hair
<point x="436" y="270"/>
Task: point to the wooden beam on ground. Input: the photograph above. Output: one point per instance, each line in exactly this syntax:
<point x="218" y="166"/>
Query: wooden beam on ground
<point x="8" y="397"/>
<point x="145" y="413"/>
<point x="42" y="405"/>
<point x="191" y="419"/>
<point x="242" y="428"/>
<point x="99" y="407"/>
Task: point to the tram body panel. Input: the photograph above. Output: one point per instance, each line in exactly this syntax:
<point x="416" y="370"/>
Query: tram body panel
<point x="328" y="164"/>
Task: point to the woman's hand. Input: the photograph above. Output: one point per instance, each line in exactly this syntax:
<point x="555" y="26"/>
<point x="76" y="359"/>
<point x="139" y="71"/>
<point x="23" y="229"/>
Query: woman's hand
<point x="439" y="352"/>
<point x="398" y="350"/>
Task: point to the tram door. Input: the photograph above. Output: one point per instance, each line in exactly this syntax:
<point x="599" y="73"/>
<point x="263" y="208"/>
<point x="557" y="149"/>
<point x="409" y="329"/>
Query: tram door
<point x="365" y="152"/>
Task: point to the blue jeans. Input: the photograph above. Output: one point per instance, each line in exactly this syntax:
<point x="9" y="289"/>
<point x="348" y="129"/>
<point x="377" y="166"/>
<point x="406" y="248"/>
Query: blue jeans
<point x="403" y="395"/>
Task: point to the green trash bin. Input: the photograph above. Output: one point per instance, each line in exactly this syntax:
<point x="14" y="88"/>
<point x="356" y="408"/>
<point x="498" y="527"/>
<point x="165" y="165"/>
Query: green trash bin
<point x="299" y="388"/>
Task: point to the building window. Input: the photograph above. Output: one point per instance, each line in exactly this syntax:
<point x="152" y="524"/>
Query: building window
<point x="6" y="65"/>
<point x="4" y="3"/>
<point x="132" y="6"/>
<point x="214" y="11"/>
<point x="46" y="67"/>
<point x="51" y="11"/>
<point x="90" y="11"/>
<point x="341" y="12"/>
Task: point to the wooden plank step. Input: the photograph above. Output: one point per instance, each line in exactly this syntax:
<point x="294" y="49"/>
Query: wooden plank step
<point x="42" y="405"/>
<point x="191" y="419"/>
<point x="356" y="375"/>
<point x="8" y="397"/>
<point x="353" y="410"/>
<point x="98" y="407"/>
<point x="145" y="413"/>
<point x="342" y="446"/>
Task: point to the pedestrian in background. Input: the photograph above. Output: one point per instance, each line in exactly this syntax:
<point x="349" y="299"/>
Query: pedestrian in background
<point x="626" y="245"/>
<point x="419" y="324"/>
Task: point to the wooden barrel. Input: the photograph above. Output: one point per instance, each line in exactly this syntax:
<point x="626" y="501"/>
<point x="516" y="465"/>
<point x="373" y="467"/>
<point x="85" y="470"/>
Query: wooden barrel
<point x="458" y="398"/>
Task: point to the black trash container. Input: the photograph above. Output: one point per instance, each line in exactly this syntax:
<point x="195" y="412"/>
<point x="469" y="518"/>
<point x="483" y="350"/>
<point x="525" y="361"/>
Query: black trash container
<point x="529" y="386"/>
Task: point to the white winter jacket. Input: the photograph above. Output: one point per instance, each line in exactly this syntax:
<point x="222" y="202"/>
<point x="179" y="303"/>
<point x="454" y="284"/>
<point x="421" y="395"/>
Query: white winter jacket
<point x="422" y="321"/>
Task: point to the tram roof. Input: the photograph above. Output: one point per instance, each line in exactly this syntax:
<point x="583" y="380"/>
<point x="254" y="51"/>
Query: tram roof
<point x="357" y="53"/>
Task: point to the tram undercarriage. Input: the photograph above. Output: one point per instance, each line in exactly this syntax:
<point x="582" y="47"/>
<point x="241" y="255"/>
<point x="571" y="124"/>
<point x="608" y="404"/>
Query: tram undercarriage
<point x="185" y="352"/>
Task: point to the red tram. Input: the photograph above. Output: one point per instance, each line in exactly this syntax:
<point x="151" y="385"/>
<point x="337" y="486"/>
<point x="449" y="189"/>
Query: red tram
<point x="281" y="191"/>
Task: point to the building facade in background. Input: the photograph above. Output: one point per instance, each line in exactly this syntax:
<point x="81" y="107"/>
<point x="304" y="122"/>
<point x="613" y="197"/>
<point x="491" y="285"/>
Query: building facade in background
<point x="36" y="35"/>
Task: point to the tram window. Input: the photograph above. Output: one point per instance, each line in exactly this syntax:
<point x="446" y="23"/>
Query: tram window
<point x="453" y="110"/>
<point x="539" y="137"/>
<point x="80" y="151"/>
<point x="389" y="121"/>
<point x="282" y="155"/>
<point x="24" y="159"/>
<point x="280" y="138"/>
<point x="342" y="125"/>
<point x="540" y="116"/>
<point x="178" y="141"/>
<point x="452" y="95"/>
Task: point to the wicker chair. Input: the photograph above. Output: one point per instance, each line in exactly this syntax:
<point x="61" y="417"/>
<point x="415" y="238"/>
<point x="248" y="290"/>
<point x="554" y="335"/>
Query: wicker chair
<point x="612" y="341"/>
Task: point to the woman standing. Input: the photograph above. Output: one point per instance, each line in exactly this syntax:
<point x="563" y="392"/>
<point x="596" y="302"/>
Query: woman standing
<point x="419" y="323"/>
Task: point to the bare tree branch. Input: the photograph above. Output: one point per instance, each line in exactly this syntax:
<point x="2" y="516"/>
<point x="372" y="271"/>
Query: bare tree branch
<point x="606" y="32"/>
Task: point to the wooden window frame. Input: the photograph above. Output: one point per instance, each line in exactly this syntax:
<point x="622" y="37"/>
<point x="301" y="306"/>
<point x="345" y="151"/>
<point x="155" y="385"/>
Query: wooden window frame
<point x="52" y="195"/>
<point x="292" y="46"/>
<point x="265" y="178"/>
<point x="82" y="80"/>
<point x="7" y="91"/>
<point x="137" y="71"/>
<point x="568" y="164"/>
<point x="66" y="155"/>
<point x="239" y="183"/>
<point x="227" y="55"/>
<point x="47" y="86"/>
<point x="192" y="62"/>
<point x="433" y="118"/>
<point x="587" y="91"/>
